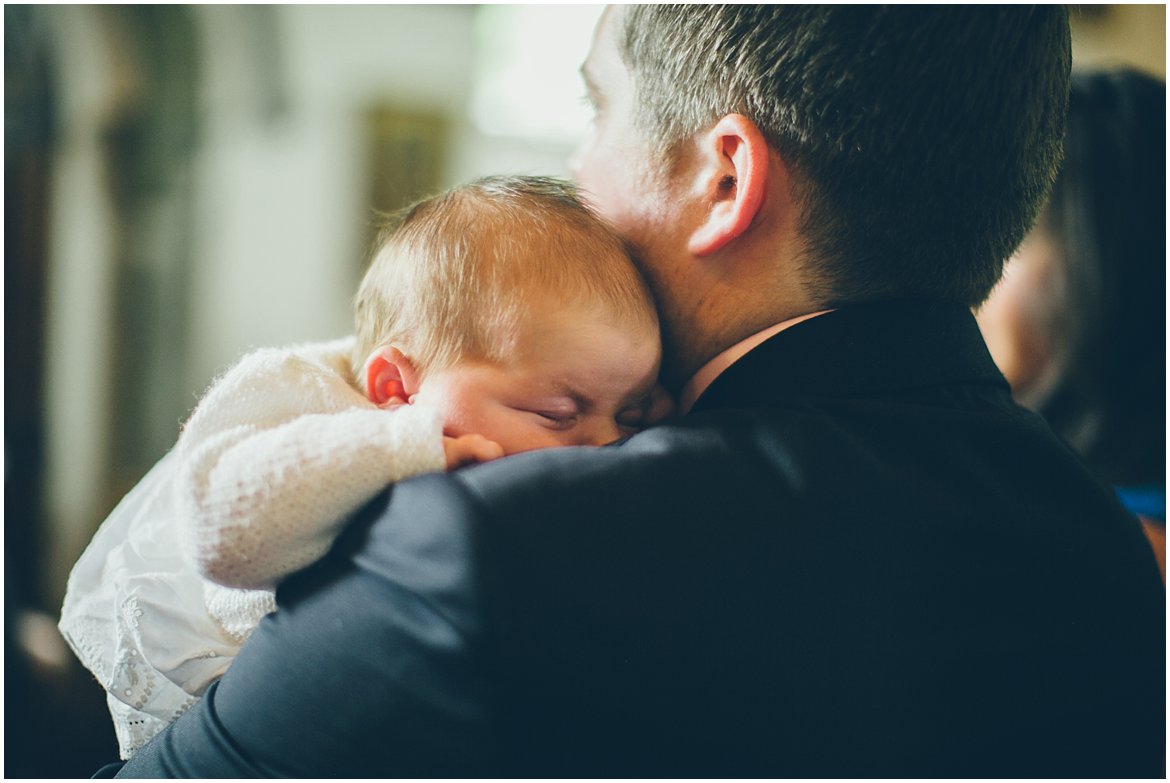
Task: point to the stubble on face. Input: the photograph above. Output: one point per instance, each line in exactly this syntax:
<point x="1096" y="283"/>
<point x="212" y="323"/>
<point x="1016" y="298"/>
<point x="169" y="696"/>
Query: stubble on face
<point x="641" y="190"/>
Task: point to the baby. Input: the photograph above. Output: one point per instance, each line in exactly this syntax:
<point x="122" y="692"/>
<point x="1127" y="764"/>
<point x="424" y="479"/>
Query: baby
<point x="499" y="317"/>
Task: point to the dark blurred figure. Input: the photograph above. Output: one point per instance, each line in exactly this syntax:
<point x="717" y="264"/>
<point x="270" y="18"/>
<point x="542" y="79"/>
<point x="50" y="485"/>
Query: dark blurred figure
<point x="1078" y="323"/>
<point x="55" y="721"/>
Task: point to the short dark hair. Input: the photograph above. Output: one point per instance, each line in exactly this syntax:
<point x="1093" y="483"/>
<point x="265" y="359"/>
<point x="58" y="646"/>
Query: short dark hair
<point x="924" y="138"/>
<point x="1107" y="320"/>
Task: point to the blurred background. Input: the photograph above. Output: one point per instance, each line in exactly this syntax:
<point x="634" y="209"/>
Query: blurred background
<point x="184" y="183"/>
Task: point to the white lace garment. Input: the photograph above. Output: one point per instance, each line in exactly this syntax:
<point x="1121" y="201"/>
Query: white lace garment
<point x="274" y="459"/>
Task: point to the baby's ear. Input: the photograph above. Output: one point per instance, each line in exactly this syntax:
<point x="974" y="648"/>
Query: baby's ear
<point x="391" y="378"/>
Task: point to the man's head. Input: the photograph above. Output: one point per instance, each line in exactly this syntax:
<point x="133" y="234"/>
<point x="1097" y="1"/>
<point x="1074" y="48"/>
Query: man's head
<point x="916" y="144"/>
<point x="511" y="307"/>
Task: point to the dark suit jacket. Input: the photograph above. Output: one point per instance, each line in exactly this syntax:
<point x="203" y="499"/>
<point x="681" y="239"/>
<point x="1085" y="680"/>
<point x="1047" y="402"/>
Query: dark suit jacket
<point x="855" y="557"/>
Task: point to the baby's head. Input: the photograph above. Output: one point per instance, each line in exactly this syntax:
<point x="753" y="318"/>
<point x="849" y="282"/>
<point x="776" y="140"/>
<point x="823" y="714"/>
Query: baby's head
<point x="510" y="307"/>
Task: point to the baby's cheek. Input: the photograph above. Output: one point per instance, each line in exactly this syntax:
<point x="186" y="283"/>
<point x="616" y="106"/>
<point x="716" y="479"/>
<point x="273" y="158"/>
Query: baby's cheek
<point x="478" y="417"/>
<point x="518" y="431"/>
<point x="461" y="417"/>
<point x="513" y="431"/>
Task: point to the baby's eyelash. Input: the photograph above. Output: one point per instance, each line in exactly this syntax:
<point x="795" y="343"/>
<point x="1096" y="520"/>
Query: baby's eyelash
<point x="558" y="421"/>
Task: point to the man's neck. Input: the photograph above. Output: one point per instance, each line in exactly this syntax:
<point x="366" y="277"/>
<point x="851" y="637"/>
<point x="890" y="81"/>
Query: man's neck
<point x="691" y="352"/>
<point x="712" y="303"/>
<point x="712" y="369"/>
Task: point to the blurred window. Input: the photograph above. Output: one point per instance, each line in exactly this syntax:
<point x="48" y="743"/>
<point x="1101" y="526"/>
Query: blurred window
<point x="526" y="83"/>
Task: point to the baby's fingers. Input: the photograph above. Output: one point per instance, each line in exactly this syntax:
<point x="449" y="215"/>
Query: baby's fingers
<point x="468" y="449"/>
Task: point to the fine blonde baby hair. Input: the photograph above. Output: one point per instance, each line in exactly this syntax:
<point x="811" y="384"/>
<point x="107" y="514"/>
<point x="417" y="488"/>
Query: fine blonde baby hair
<point x="452" y="277"/>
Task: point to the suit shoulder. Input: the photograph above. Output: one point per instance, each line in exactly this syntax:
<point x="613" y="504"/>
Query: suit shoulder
<point x="638" y="465"/>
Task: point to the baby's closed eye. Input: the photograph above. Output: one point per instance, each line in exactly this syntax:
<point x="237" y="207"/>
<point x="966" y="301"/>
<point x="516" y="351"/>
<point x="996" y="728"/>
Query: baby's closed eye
<point x="557" y="420"/>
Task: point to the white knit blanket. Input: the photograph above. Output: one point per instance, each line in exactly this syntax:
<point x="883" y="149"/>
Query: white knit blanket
<point x="278" y="454"/>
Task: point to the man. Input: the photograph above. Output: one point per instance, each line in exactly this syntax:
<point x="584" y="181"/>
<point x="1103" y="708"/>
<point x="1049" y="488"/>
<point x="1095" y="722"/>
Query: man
<point x="852" y="555"/>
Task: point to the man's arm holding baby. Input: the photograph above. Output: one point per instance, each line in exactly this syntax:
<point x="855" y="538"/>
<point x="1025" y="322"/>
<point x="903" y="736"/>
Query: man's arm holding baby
<point x="372" y="667"/>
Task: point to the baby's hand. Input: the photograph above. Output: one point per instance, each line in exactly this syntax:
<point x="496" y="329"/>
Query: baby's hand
<point x="468" y="449"/>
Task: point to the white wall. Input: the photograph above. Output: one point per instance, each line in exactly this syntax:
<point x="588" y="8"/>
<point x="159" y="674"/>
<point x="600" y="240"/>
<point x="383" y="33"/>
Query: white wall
<point x="282" y="199"/>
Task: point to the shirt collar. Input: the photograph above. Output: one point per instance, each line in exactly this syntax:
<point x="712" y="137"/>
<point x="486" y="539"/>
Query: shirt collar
<point x="712" y="369"/>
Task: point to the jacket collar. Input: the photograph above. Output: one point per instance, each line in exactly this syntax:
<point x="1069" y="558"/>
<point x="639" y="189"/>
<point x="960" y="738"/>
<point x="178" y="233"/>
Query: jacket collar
<point x="856" y="350"/>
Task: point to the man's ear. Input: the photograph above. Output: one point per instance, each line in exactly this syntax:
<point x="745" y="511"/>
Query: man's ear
<point x="390" y="376"/>
<point x="733" y="178"/>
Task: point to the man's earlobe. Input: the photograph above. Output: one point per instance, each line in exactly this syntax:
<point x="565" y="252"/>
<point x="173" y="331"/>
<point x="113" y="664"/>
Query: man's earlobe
<point x="734" y="179"/>
<point x="390" y="377"/>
